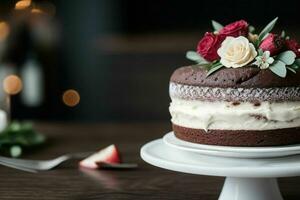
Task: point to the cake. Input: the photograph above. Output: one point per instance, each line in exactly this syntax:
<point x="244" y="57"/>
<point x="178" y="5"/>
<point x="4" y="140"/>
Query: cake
<point x="244" y="89"/>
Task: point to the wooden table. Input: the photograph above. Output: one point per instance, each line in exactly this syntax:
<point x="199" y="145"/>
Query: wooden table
<point x="147" y="182"/>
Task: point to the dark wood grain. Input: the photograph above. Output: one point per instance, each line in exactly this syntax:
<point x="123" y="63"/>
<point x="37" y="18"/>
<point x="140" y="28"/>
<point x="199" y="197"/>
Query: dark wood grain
<point x="147" y="182"/>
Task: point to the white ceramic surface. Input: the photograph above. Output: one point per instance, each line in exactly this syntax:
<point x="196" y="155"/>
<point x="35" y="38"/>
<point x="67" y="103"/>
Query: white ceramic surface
<point x="250" y="189"/>
<point x="159" y="154"/>
<point x="228" y="151"/>
<point x="247" y="179"/>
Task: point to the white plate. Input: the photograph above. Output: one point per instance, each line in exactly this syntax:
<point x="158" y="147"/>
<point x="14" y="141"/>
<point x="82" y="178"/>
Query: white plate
<point x="161" y="155"/>
<point x="229" y="151"/>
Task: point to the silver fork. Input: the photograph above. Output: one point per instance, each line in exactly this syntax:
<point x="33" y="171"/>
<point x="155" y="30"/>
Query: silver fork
<point x="40" y="165"/>
<point x="18" y="167"/>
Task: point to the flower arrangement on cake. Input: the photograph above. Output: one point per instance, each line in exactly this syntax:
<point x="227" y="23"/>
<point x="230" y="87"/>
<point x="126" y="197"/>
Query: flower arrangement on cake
<point x="239" y="45"/>
<point x="243" y="91"/>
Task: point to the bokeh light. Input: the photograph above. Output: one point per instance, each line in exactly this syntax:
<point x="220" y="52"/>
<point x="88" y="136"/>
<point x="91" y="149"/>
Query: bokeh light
<point x="12" y="84"/>
<point x="37" y="11"/>
<point x="23" y="4"/>
<point x="4" y="30"/>
<point x="43" y="7"/>
<point x="71" y="98"/>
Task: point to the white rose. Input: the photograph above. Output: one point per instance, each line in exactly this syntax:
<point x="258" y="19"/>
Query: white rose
<point x="236" y="52"/>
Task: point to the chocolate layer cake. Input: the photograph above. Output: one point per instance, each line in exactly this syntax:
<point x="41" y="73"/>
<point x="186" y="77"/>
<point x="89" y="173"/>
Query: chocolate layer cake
<point x="235" y="107"/>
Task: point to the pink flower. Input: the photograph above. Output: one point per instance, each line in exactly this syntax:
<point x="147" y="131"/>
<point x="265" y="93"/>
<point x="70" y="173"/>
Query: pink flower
<point x="272" y="43"/>
<point x="235" y="29"/>
<point x="208" y="46"/>
<point x="294" y="46"/>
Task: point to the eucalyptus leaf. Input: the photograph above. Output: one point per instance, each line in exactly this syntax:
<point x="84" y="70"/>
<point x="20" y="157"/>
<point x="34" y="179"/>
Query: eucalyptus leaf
<point x="294" y="66"/>
<point x="214" y="68"/>
<point x="194" y="56"/>
<point x="251" y="29"/>
<point x="288" y="57"/>
<point x="216" y="25"/>
<point x="297" y="62"/>
<point x="283" y="34"/>
<point x="265" y="36"/>
<point x="267" y="29"/>
<point x="278" y="68"/>
<point x="291" y="69"/>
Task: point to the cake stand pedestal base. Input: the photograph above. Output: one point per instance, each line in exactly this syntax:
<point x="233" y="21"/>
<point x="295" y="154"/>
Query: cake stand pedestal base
<point x="250" y="188"/>
<point x="246" y="179"/>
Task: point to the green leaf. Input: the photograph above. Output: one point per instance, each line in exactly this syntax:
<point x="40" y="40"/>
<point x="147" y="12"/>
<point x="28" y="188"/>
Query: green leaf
<point x="251" y="29"/>
<point x="288" y="57"/>
<point x="283" y="34"/>
<point x="18" y="135"/>
<point x="294" y="66"/>
<point x="291" y="69"/>
<point x="264" y="37"/>
<point x="216" y="25"/>
<point x="278" y="68"/>
<point x="214" y="68"/>
<point x="194" y="56"/>
<point x="260" y="52"/>
<point x="15" y="151"/>
<point x="267" y="29"/>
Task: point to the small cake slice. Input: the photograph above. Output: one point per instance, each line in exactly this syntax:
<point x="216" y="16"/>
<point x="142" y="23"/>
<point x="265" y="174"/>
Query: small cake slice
<point x="109" y="155"/>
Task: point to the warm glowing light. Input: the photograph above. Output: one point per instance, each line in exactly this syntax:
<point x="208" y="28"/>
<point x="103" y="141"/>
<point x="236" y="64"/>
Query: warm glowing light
<point x="71" y="98"/>
<point x="23" y="4"/>
<point x="44" y="7"/>
<point x="4" y="30"/>
<point x="12" y="84"/>
<point x="37" y="11"/>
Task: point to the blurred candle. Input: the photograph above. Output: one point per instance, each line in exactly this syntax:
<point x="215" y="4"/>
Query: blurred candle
<point x="3" y="120"/>
<point x="12" y="85"/>
<point x="33" y="83"/>
<point x="4" y="30"/>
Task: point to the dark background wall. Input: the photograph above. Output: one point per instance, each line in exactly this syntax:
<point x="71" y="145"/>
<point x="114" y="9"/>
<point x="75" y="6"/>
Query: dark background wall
<point x="119" y="54"/>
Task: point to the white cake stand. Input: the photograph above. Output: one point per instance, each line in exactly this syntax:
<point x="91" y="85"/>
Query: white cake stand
<point x="246" y="178"/>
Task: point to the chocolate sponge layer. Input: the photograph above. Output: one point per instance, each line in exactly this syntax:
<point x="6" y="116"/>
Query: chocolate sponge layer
<point x="239" y="137"/>
<point x="244" y="77"/>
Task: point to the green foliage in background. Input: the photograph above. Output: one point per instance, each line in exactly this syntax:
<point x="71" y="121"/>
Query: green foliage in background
<point x="18" y="137"/>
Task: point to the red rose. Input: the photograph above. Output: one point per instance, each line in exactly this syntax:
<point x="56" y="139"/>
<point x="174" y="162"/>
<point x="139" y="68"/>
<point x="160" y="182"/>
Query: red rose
<point x="272" y="43"/>
<point x="208" y="46"/>
<point x="235" y="29"/>
<point x="293" y="45"/>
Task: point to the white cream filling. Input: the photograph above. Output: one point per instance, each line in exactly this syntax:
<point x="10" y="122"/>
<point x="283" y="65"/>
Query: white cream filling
<point x="223" y="115"/>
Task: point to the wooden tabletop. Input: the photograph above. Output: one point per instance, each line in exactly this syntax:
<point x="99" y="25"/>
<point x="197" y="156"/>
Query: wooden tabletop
<point x="146" y="182"/>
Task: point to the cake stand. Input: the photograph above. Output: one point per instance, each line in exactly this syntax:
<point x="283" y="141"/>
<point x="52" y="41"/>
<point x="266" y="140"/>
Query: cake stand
<point x="246" y="178"/>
